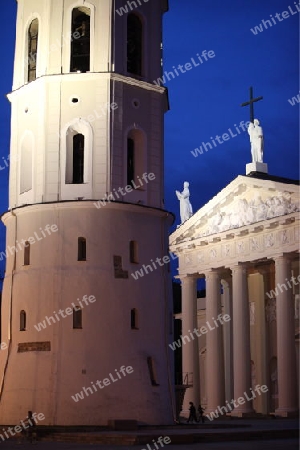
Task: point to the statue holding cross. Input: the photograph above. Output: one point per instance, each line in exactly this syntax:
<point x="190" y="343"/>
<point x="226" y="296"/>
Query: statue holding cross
<point x="255" y="131"/>
<point x="257" y="141"/>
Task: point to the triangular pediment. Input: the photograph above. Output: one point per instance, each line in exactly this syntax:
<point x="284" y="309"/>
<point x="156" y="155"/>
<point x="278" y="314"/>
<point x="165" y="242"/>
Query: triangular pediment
<point x="244" y="203"/>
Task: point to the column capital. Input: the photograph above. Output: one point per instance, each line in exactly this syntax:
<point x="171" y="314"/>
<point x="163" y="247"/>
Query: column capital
<point x="212" y="273"/>
<point x="239" y="267"/>
<point x="187" y="279"/>
<point x="282" y="258"/>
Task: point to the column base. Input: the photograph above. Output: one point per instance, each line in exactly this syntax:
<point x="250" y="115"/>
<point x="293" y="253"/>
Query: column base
<point x="249" y="413"/>
<point x="286" y="413"/>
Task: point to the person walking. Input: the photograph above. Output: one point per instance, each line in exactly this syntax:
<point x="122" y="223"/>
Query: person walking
<point x="192" y="416"/>
<point x="201" y="411"/>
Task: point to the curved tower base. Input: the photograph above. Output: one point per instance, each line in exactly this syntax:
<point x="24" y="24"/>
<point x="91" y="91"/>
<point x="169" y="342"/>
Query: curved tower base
<point x="113" y="362"/>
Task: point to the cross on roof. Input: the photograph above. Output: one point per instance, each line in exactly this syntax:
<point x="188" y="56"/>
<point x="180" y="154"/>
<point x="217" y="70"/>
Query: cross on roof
<point x="251" y="103"/>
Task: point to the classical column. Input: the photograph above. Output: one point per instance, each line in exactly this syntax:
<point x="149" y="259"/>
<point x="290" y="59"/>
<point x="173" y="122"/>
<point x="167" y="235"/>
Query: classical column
<point x="260" y="287"/>
<point x="241" y="341"/>
<point x="227" y="336"/>
<point x="190" y="354"/>
<point x="215" y="381"/>
<point x="286" y="353"/>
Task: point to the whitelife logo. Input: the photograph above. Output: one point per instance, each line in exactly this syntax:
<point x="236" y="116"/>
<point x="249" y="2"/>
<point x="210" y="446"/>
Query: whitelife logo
<point x="203" y="330"/>
<point x="267" y="23"/>
<point x="225" y="136"/>
<point x="147" y="268"/>
<point x="38" y="236"/>
<point x="6" y="161"/>
<point x="106" y="382"/>
<point x="294" y="100"/>
<point x="236" y="403"/>
<point x="19" y="428"/>
<point x="114" y="195"/>
<point x="195" y="62"/>
<point x="124" y="9"/>
<point x="64" y="313"/>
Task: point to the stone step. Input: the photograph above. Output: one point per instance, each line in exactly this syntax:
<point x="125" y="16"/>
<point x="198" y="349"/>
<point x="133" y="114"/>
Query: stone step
<point x="193" y="436"/>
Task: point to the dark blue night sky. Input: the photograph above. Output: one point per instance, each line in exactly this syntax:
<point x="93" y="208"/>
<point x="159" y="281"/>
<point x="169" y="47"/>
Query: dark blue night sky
<point x="205" y="101"/>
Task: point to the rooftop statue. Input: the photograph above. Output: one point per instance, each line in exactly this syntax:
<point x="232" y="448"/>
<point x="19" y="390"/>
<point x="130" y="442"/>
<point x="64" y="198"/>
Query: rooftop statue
<point x="186" y="210"/>
<point x="257" y="141"/>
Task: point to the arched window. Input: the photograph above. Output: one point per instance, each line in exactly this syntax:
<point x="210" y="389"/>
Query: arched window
<point x="22" y="320"/>
<point x="26" y="165"/>
<point x="33" y="34"/>
<point x="134" y="44"/>
<point x="136" y="157"/>
<point x="77" y="318"/>
<point x="133" y="252"/>
<point x="27" y="254"/>
<point x="80" y="39"/>
<point x="134" y="319"/>
<point x="75" y="158"/>
<point x="81" y="249"/>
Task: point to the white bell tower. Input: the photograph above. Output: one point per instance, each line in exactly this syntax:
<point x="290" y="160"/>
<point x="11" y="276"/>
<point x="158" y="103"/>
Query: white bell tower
<point x="85" y="213"/>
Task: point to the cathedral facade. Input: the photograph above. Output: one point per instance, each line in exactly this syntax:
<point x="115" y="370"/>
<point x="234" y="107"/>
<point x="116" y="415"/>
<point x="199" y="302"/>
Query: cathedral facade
<point x="240" y="344"/>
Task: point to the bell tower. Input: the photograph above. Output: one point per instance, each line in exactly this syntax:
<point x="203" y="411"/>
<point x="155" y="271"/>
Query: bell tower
<point x="87" y="288"/>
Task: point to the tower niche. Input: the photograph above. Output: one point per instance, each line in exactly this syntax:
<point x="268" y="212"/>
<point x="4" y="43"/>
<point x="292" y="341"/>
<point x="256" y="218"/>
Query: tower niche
<point x="67" y="239"/>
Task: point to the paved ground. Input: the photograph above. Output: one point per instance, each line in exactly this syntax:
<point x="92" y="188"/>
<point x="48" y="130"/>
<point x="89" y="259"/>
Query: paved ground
<point x="237" y="428"/>
<point x="280" y="444"/>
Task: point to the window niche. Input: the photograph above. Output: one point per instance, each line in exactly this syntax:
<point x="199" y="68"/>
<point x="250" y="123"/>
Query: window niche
<point x="77" y="318"/>
<point x="130" y="160"/>
<point x="22" y="320"/>
<point x="26" y="164"/>
<point x="33" y="35"/>
<point x="27" y="254"/>
<point x="80" y="40"/>
<point x="136" y="158"/>
<point x="76" y="160"/>
<point x="81" y="249"/>
<point x="134" y="44"/>
<point x="133" y="252"/>
<point x="134" y="319"/>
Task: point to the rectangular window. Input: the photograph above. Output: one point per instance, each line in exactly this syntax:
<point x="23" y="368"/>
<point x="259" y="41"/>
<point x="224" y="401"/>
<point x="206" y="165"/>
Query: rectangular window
<point x="27" y="254"/>
<point x="22" y="320"/>
<point x="130" y="161"/>
<point x="33" y="33"/>
<point x="134" y="319"/>
<point x="134" y="44"/>
<point x="77" y="318"/>
<point x="81" y="249"/>
<point x="78" y="159"/>
<point x="133" y="252"/>
<point x="80" y="43"/>
<point x="152" y="372"/>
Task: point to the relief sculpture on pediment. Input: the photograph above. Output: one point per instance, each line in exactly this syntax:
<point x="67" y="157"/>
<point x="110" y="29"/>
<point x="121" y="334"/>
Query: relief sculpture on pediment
<point x="246" y="212"/>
